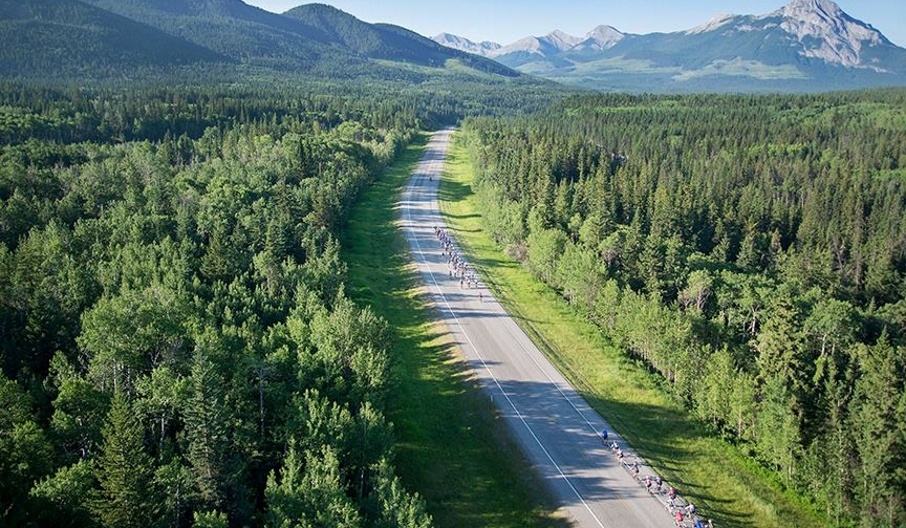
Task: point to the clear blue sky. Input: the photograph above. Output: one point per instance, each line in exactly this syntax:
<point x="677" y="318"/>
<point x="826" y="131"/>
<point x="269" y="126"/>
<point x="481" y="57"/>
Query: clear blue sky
<point x="508" y="20"/>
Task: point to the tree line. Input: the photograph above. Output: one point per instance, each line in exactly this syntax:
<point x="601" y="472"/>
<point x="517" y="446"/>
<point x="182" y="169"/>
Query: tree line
<point x="176" y="345"/>
<point x="749" y="249"/>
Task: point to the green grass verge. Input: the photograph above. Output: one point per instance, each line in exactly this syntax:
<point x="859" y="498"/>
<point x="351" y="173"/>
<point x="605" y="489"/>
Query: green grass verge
<point x="453" y="448"/>
<point x="726" y="485"/>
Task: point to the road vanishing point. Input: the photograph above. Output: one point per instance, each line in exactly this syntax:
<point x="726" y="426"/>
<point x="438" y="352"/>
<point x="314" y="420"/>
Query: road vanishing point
<point x="554" y="425"/>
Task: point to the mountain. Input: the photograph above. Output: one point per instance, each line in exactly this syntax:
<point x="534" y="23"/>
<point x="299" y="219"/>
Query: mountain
<point x="208" y="41"/>
<point x="560" y="40"/>
<point x="531" y="49"/>
<point x="600" y="38"/>
<point x="484" y="49"/>
<point x="68" y="37"/>
<point x="807" y="45"/>
<point x="236" y="30"/>
<point x="384" y="41"/>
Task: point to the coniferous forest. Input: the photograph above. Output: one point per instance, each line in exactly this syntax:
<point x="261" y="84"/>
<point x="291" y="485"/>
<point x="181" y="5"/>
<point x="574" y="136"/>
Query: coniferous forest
<point x="751" y="250"/>
<point x="177" y="348"/>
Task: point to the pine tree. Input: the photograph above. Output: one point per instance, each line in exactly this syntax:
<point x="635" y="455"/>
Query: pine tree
<point x="777" y="429"/>
<point x="208" y="429"/>
<point x="126" y="498"/>
<point x="879" y="425"/>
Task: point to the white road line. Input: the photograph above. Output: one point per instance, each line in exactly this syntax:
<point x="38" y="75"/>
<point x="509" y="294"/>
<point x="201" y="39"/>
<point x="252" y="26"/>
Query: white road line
<point x="421" y="253"/>
<point x="555" y="384"/>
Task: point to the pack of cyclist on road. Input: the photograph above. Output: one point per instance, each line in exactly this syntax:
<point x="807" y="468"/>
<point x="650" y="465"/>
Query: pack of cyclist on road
<point x="684" y="515"/>
<point x="458" y="267"/>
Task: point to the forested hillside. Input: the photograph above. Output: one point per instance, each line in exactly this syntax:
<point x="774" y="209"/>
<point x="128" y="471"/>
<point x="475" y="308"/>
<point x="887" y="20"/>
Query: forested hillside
<point x="224" y="42"/>
<point x="81" y="38"/>
<point x="750" y="250"/>
<point x="176" y="345"/>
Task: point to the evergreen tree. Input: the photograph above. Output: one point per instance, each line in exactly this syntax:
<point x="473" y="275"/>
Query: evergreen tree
<point x="207" y="430"/>
<point x="126" y="498"/>
<point x="777" y="429"/>
<point x="879" y="424"/>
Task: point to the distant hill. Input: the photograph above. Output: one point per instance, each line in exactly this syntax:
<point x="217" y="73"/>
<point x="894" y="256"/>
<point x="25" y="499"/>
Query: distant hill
<point x="68" y="37"/>
<point x="808" y="45"/>
<point x="384" y="41"/>
<point x="111" y="39"/>
<point x="235" y="29"/>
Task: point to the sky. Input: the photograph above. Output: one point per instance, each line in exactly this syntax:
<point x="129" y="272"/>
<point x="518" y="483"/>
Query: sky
<point x="506" y="21"/>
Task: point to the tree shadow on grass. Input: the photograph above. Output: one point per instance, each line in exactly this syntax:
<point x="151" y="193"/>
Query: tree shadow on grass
<point x="456" y="191"/>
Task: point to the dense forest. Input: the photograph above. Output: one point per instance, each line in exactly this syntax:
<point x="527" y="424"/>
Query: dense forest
<point x="176" y="345"/>
<point x="749" y="249"/>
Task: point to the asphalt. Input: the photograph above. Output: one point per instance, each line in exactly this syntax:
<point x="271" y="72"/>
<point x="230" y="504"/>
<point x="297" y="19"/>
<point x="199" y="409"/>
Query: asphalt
<point x="557" y="429"/>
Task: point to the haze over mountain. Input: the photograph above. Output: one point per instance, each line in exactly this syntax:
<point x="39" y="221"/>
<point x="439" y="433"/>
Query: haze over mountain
<point x="808" y="45"/>
<point x="101" y="39"/>
<point x="484" y="48"/>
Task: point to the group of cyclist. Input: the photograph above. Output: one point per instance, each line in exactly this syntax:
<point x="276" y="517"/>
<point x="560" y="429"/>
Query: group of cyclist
<point x="459" y="269"/>
<point x="655" y="485"/>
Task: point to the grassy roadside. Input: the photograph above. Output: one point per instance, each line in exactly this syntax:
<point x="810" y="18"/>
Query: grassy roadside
<point x="452" y="447"/>
<point x="728" y="486"/>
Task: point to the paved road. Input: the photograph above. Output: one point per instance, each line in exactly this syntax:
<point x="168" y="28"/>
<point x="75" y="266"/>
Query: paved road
<point x="554" y="425"/>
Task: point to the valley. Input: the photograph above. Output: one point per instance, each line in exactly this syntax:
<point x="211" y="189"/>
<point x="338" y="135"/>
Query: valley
<point x="268" y="265"/>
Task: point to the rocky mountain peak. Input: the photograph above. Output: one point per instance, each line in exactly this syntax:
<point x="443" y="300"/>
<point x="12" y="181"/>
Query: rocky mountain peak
<point x="562" y="40"/>
<point x="806" y="7"/>
<point x="605" y="32"/>
<point x="601" y="38"/>
<point x="826" y="31"/>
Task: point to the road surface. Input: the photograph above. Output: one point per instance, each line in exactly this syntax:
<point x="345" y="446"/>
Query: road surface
<point x="554" y="425"/>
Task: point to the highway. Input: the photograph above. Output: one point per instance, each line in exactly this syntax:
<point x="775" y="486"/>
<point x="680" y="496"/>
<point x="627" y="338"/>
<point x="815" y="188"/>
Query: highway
<point x="557" y="429"/>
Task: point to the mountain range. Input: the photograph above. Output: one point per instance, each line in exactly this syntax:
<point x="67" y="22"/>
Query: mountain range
<point x="104" y="39"/>
<point x="807" y="45"/>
